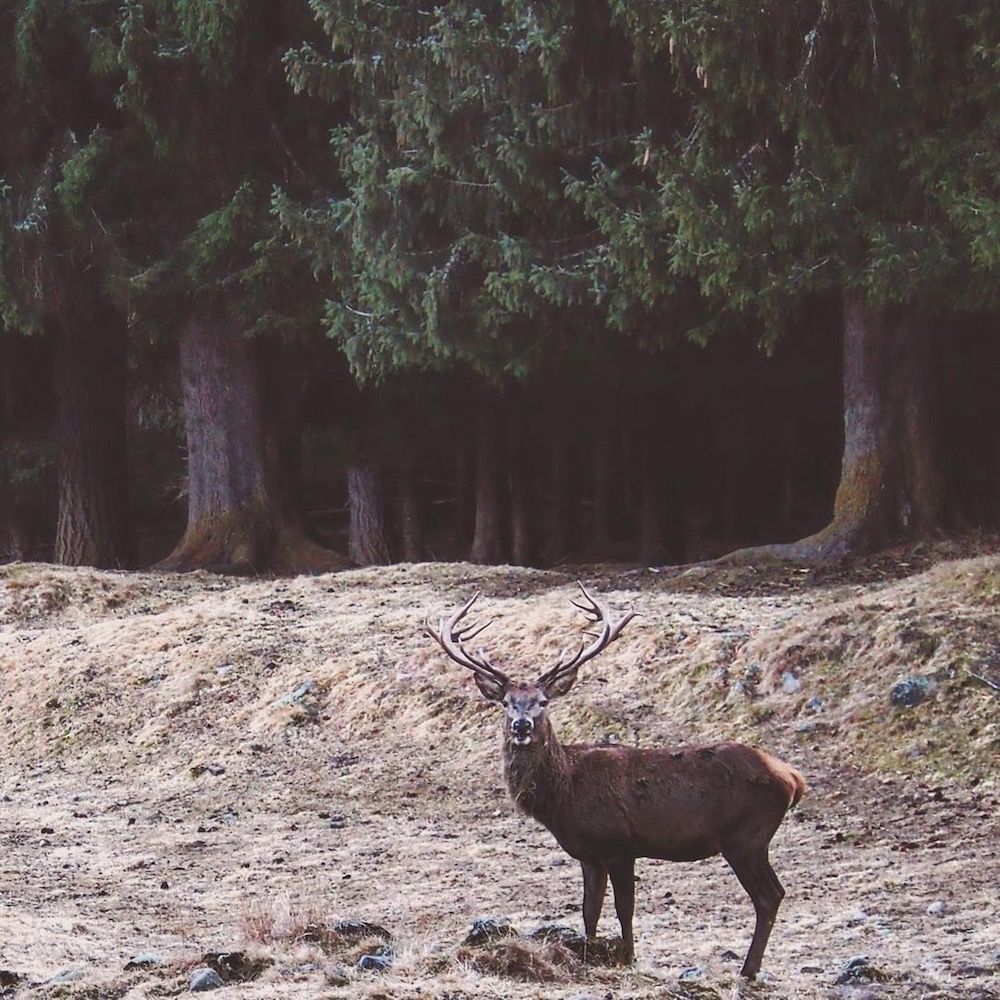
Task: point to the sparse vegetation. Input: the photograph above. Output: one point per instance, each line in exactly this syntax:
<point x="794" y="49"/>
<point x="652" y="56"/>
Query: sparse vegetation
<point x="196" y="816"/>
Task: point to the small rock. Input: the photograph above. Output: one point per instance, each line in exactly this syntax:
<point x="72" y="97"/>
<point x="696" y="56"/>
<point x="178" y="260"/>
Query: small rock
<point x="203" y="980"/>
<point x="375" y="963"/>
<point x="790" y="683"/>
<point x="971" y="971"/>
<point x="489" y="929"/>
<point x="729" y="956"/>
<point x="214" y="769"/>
<point x="337" y="975"/>
<point x="860" y="970"/>
<point x="910" y="692"/>
<point x="740" y="689"/>
<point x="937" y="909"/>
<point x="66" y="976"/>
<point x="811" y="968"/>
<point x="296" y="695"/>
<point x="689" y="975"/>
<point x="814" y="704"/>
<point x="9" y="980"/>
<point x="559" y="932"/>
<point x="857" y="918"/>
<point x="143" y="961"/>
<point x="558" y="860"/>
<point x="358" y="928"/>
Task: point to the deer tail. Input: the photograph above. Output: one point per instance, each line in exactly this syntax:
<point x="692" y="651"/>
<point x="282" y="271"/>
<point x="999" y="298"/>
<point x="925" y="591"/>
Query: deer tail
<point x="798" y="786"/>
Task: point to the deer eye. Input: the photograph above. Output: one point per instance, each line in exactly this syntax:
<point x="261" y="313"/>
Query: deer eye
<point x="543" y="702"/>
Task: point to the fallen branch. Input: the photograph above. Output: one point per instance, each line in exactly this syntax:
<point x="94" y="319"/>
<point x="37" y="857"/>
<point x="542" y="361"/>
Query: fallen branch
<point x="985" y="680"/>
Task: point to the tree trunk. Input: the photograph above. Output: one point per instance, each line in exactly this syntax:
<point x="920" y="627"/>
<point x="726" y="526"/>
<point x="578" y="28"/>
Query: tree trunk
<point x="465" y="487"/>
<point x="890" y="488"/>
<point x="368" y="538"/>
<point x="409" y="517"/>
<point x="659" y="509"/>
<point x="605" y="483"/>
<point x="90" y="374"/>
<point x="523" y="490"/>
<point x="561" y="519"/>
<point x="238" y="518"/>
<point x="487" y="540"/>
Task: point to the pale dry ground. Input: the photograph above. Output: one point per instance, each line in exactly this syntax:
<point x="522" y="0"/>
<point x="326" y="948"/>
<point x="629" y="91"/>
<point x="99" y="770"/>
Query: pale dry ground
<point x="379" y="796"/>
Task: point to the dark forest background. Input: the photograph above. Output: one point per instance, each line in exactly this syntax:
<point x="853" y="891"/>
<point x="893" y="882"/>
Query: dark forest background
<point x="290" y="285"/>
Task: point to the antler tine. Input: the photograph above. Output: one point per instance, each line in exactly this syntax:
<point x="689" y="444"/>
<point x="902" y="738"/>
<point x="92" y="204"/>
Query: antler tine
<point x="450" y="636"/>
<point x="596" y="611"/>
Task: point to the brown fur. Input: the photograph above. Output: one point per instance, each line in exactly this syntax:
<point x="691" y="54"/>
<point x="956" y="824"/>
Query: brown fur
<point x="607" y="806"/>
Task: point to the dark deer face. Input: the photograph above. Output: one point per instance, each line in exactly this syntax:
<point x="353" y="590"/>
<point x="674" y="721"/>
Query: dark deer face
<point x="525" y="705"/>
<point x="524" y="708"/>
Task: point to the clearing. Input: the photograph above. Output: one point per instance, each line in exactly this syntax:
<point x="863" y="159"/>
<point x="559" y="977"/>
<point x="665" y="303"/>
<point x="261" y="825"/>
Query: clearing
<point x="195" y="765"/>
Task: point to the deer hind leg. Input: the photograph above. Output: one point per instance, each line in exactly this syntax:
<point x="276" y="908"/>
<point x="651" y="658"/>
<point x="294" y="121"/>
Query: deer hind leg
<point x="757" y="876"/>
<point x="595" y="885"/>
<point x="623" y="882"/>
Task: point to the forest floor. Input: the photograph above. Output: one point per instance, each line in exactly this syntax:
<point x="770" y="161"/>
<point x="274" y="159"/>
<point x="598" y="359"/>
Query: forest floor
<point x="195" y="766"/>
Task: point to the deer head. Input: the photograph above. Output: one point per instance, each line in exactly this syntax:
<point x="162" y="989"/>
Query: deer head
<point x="525" y="704"/>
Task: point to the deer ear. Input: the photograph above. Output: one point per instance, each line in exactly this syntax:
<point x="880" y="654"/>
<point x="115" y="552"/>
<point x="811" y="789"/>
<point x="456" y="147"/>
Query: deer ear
<point x="561" y="685"/>
<point x="493" y="690"/>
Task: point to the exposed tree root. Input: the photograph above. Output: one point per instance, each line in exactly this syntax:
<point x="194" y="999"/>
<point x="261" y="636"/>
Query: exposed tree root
<point x="246" y="543"/>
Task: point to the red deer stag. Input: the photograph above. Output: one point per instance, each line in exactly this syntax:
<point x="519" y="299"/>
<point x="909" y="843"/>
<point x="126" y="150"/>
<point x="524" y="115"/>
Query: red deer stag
<point x="608" y="805"/>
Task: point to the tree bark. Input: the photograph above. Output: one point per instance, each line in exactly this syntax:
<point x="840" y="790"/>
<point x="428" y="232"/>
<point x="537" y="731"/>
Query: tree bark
<point x="238" y="508"/>
<point x="487" y="540"/>
<point x="890" y="487"/>
<point x="605" y="480"/>
<point x="523" y="490"/>
<point x="409" y="517"/>
<point x="659" y="507"/>
<point x="90" y="377"/>
<point x="465" y="487"/>
<point x="561" y="527"/>
<point x="368" y="536"/>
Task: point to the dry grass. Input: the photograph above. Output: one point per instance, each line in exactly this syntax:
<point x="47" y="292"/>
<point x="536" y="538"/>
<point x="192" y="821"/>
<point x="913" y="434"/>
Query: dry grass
<point x="277" y="752"/>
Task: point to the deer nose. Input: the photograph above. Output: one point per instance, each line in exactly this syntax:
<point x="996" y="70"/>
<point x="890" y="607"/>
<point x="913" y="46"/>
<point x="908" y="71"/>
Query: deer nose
<point x="520" y="727"/>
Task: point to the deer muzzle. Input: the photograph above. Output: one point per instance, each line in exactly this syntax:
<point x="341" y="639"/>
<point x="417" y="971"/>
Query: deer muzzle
<point x="520" y="731"/>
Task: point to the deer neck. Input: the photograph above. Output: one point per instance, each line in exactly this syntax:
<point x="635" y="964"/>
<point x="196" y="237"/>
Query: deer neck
<point x="538" y="775"/>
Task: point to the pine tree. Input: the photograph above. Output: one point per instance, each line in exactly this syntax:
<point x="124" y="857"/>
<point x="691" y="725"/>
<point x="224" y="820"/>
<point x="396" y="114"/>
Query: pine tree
<point x="205" y="90"/>
<point x="60" y="167"/>
<point x="834" y="152"/>
<point x="456" y="243"/>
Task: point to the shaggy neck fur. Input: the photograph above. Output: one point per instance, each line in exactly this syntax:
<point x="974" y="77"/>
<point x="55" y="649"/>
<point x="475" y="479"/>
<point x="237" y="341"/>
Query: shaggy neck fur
<point x="538" y="775"/>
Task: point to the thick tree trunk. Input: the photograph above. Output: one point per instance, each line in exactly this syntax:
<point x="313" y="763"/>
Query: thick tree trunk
<point x="90" y="373"/>
<point x="488" y="540"/>
<point x="238" y="519"/>
<point x="368" y="536"/>
<point x="890" y="488"/>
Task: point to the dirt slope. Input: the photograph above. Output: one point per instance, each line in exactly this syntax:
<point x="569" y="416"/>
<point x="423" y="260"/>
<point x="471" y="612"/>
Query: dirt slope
<point x="192" y="764"/>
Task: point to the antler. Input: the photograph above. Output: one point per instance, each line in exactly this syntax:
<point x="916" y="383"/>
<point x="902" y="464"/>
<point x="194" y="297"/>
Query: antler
<point x="450" y="637"/>
<point x="596" y="611"/>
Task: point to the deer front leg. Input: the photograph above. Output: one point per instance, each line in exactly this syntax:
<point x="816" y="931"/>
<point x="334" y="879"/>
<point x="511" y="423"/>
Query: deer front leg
<point x="595" y="884"/>
<point x="623" y="881"/>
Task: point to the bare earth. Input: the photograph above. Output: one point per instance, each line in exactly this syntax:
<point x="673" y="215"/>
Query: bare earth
<point x="194" y="765"/>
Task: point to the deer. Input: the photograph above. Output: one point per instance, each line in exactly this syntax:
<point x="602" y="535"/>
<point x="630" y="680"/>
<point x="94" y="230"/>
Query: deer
<point x="607" y="805"/>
